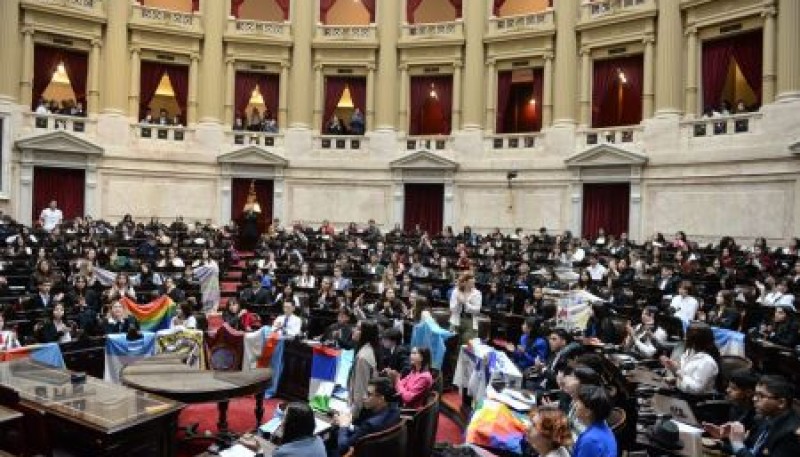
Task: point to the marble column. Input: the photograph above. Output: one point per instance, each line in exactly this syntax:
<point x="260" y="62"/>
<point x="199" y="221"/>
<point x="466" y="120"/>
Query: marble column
<point x="194" y="88"/>
<point x="647" y="75"/>
<point x="668" y="59"/>
<point x="475" y="23"/>
<point x="402" y="121"/>
<point x="547" y="91"/>
<point x="566" y="64"/>
<point x="387" y="84"/>
<point x="93" y="83"/>
<point x="283" y="96"/>
<point x="215" y="19"/>
<point x="788" y="46"/>
<point x="370" y="114"/>
<point x="768" y="56"/>
<point x="455" y="122"/>
<point x="300" y="102"/>
<point x="26" y="81"/>
<point x="10" y="50"/>
<point x="116" y="64"/>
<point x="586" y="88"/>
<point x="230" y="83"/>
<point x="690" y="107"/>
<point x="133" y="93"/>
<point x="491" y="97"/>
<point x="319" y="102"/>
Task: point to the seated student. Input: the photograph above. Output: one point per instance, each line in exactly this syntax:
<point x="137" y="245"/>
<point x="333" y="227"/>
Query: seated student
<point x="56" y="329"/>
<point x="237" y="317"/>
<point x="696" y="372"/>
<point x="561" y="346"/>
<point x="532" y="347"/>
<point x="298" y="433"/>
<point x="684" y="305"/>
<point x="341" y="331"/>
<point x="570" y="380"/>
<point x="8" y="338"/>
<point x="593" y="407"/>
<point x="393" y="355"/>
<point x="414" y="387"/>
<point x="256" y="294"/>
<point x="776" y="435"/>
<point x="724" y="314"/>
<point x="645" y="339"/>
<point x="287" y="324"/>
<point x="184" y="318"/>
<point x="177" y="295"/>
<point x="783" y="330"/>
<point x="380" y="411"/>
<point x="740" y="390"/>
<point x="118" y="320"/>
<point x="549" y="433"/>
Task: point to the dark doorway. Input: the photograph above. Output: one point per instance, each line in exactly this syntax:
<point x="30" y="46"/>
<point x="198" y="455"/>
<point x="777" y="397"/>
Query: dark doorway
<point x="424" y="205"/>
<point x="605" y="206"/>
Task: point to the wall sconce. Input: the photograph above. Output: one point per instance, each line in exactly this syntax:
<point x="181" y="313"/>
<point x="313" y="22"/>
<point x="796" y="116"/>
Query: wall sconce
<point x="433" y="93"/>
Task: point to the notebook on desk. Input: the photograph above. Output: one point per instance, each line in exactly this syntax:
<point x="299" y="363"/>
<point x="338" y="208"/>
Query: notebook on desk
<point x="678" y="408"/>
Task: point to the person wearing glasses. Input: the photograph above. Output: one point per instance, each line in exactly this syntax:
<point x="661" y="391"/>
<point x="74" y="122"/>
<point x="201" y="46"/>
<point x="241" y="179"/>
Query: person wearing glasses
<point x="776" y="435"/>
<point x="383" y="414"/>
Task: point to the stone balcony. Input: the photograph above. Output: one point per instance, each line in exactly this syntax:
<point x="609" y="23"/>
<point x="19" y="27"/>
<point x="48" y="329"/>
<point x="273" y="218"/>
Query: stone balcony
<point x="89" y="9"/>
<point x="542" y="21"/>
<point x="248" y="30"/>
<point x="630" y="136"/>
<point x="600" y="9"/>
<point x="161" y="20"/>
<point x="512" y="141"/>
<point x="347" y="35"/>
<point x="437" y="33"/>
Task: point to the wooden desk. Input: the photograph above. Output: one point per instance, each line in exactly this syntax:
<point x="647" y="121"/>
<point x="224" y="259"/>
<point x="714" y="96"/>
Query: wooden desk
<point x="171" y="379"/>
<point x="95" y="418"/>
<point x="297" y="359"/>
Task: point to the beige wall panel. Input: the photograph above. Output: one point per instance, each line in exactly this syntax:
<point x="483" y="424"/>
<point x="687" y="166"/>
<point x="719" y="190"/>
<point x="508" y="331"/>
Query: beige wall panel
<point x="485" y="208"/>
<point x="515" y="7"/>
<point x="345" y="12"/>
<point x="341" y="204"/>
<point x="166" y="197"/>
<point x="711" y="210"/>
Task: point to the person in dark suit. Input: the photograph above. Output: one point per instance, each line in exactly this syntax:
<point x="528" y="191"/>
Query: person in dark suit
<point x="380" y="413"/>
<point x="740" y="390"/>
<point x="44" y="299"/>
<point x="341" y="331"/>
<point x="394" y="355"/>
<point x="340" y="283"/>
<point x="667" y="282"/>
<point x="776" y="435"/>
<point x="255" y="294"/>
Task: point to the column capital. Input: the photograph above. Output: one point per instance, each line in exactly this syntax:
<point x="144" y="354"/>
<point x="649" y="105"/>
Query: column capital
<point x="27" y="29"/>
<point x="97" y="43"/>
<point x="548" y="55"/>
<point x="691" y="30"/>
<point x="584" y="50"/>
<point x="403" y="67"/>
<point x="769" y="11"/>
<point x="285" y="64"/>
<point x="135" y="49"/>
<point x="194" y="56"/>
<point x="458" y="64"/>
<point x="230" y="60"/>
<point x="318" y="66"/>
<point x="648" y="39"/>
<point x="491" y="61"/>
<point x="371" y="67"/>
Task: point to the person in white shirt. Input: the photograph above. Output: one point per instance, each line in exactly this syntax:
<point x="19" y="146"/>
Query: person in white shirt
<point x="465" y="303"/>
<point x="779" y="296"/>
<point x="684" y="305"/>
<point x="305" y="280"/>
<point x="184" y="319"/>
<point x="645" y="338"/>
<point x="287" y="324"/>
<point x="51" y="216"/>
<point x="696" y="372"/>
<point x="596" y="270"/>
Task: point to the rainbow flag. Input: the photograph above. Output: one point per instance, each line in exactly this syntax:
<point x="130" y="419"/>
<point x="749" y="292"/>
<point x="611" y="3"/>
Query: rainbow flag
<point x="46" y="353"/>
<point x="153" y="316"/>
<point x="495" y="426"/>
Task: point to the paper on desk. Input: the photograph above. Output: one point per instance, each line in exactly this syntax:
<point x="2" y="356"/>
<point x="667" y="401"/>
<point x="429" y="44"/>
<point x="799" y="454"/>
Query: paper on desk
<point x="507" y="399"/>
<point x="320" y="426"/>
<point x="237" y="451"/>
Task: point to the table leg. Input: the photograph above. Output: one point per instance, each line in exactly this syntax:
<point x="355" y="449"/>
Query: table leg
<point x="222" y="423"/>
<point x="259" y="408"/>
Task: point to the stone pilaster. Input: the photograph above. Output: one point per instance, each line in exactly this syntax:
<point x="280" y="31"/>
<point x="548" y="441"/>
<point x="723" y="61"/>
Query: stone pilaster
<point x="475" y="24"/>
<point x="668" y="59"/>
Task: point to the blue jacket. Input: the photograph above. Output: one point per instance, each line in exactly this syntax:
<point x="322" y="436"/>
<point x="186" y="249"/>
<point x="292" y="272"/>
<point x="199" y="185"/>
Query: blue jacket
<point x="307" y="447"/>
<point x="596" y="441"/>
<point x="362" y="427"/>
<point x="527" y="358"/>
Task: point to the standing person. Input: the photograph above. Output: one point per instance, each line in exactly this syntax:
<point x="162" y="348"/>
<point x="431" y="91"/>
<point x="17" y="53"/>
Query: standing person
<point x="465" y="302"/>
<point x="365" y="365"/>
<point x="51" y="216"/>
<point x="251" y="213"/>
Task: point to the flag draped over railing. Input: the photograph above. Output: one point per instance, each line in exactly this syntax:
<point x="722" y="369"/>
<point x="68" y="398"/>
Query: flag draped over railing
<point x="153" y="316"/>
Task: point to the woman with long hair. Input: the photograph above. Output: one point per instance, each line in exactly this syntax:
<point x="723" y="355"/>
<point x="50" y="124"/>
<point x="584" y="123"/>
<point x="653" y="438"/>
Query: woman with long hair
<point x="531" y="347"/>
<point x="297" y="435"/>
<point x="696" y="371"/>
<point x="365" y="365"/>
<point x="784" y="328"/>
<point x="413" y="388"/>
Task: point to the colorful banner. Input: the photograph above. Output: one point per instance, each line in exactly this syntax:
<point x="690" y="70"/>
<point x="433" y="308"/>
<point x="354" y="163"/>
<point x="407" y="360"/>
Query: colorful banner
<point x="188" y="342"/>
<point x="495" y="426"/>
<point x="121" y="351"/>
<point x="46" y="353"/>
<point x="153" y="316"/>
<point x="323" y="377"/>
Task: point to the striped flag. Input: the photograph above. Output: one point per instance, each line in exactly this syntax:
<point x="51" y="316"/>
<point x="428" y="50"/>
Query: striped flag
<point x="153" y="316"/>
<point x="323" y="377"/>
<point x="46" y="353"/>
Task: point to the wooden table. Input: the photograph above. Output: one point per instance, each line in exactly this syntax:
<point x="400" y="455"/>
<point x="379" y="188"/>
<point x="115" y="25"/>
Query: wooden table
<point x="171" y="379"/>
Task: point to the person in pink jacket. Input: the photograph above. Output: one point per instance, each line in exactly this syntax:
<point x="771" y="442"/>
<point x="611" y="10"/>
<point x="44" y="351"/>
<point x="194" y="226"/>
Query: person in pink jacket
<point x="413" y="388"/>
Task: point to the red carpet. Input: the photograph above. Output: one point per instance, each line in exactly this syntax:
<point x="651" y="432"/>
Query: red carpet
<point x="241" y="418"/>
<point x="225" y="286"/>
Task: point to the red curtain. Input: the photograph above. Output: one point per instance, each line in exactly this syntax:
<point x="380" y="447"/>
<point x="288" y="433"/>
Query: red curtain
<point x="496" y="8"/>
<point x="429" y="116"/>
<point x="538" y="96"/>
<point x="748" y="49"/>
<point x="424" y="205"/>
<point x="457" y="5"/>
<point x="607" y="110"/>
<point x="235" y="6"/>
<point x="606" y="206"/>
<point x="47" y="59"/>
<point x="370" y="6"/>
<point x="150" y="74"/>
<point x="503" y="97"/>
<point x="64" y="185"/>
<point x="179" y="77"/>
<point x="716" y="61"/>
<point x="411" y="6"/>
<point x="334" y="87"/>
<point x="77" y="68"/>
<point x="358" y="90"/>
<point x="240" y="187"/>
<point x="324" y="7"/>
<point x="196" y="5"/>
<point x="268" y="84"/>
<point x="284" y="6"/>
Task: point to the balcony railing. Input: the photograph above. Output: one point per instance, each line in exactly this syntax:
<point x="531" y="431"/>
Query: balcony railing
<point x="428" y="143"/>
<point x="630" y="135"/>
<point x="85" y="6"/>
<point x="600" y="8"/>
<point x="246" y="138"/>
<point x="347" y="32"/>
<point x="147" y="16"/>
<point x="157" y="132"/>
<point x="444" y="30"/>
<point x="259" y="29"/>
<point x="522" y="22"/>
<point x="50" y="122"/>
<point x="511" y="141"/>
<point x="340" y="142"/>
<point x="721" y="125"/>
